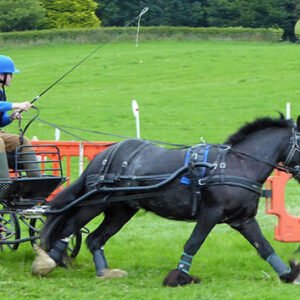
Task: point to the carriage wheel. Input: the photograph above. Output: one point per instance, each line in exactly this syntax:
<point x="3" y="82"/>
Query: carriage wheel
<point x="10" y="231"/>
<point x="35" y="228"/>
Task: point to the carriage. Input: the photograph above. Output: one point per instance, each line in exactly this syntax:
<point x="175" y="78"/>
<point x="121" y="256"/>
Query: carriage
<point x="23" y="200"/>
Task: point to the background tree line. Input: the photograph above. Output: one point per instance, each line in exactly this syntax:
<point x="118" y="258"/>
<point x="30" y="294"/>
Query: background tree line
<point x="46" y="14"/>
<point x="282" y="14"/>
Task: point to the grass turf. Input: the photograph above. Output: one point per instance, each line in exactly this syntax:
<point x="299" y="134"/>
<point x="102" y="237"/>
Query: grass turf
<point x="186" y="90"/>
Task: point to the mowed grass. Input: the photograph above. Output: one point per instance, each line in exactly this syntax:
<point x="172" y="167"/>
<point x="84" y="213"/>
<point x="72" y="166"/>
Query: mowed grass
<point x="186" y="90"/>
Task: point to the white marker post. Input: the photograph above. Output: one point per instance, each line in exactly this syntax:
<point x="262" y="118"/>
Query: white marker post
<point x="57" y="134"/>
<point x="81" y="158"/>
<point x="288" y="111"/>
<point x="136" y="113"/>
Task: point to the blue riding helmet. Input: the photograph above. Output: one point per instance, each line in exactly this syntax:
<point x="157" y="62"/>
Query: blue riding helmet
<point x="7" y="65"/>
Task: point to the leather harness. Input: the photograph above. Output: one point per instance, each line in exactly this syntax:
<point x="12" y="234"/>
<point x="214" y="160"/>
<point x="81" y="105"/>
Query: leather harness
<point x="199" y="172"/>
<point x="201" y="177"/>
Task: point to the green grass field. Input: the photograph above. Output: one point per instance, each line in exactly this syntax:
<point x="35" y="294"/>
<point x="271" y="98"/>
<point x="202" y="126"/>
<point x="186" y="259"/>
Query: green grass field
<point x="186" y="90"/>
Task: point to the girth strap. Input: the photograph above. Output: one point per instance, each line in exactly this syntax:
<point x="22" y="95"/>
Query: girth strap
<point x="198" y="153"/>
<point x="195" y="188"/>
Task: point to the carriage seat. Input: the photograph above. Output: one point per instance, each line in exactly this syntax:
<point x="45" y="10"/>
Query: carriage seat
<point x="26" y="188"/>
<point x="23" y="188"/>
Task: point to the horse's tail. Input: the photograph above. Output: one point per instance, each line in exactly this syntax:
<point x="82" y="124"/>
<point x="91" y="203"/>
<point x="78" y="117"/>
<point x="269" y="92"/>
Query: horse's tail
<point x="55" y="222"/>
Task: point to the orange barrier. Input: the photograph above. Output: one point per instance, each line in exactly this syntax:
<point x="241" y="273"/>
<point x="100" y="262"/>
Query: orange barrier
<point x="288" y="227"/>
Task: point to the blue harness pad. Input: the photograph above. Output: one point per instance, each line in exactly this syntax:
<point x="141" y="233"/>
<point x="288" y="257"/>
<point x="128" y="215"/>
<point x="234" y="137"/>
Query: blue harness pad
<point x="196" y="154"/>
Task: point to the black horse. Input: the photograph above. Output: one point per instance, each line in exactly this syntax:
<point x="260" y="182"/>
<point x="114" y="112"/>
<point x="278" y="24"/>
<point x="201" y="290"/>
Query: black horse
<point x="208" y="184"/>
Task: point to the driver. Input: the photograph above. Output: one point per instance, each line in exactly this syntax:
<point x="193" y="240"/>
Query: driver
<point x="9" y="142"/>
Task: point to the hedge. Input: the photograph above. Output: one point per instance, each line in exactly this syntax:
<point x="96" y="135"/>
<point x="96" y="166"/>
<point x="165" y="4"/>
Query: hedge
<point x="107" y="34"/>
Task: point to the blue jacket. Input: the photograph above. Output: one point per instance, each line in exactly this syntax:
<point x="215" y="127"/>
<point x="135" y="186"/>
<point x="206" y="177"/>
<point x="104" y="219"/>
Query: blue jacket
<point x="4" y="108"/>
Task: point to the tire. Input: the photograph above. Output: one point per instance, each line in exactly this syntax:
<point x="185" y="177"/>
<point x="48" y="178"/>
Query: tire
<point x="10" y="231"/>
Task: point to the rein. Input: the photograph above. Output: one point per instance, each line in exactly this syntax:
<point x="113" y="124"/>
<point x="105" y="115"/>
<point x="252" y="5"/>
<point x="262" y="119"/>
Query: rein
<point x="22" y="131"/>
<point x="104" y="183"/>
<point x="274" y="166"/>
<point x="65" y="127"/>
<point x="294" y="140"/>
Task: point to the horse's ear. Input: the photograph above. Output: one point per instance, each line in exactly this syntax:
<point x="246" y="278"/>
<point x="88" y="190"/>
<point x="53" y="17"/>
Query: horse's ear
<point x="281" y="115"/>
<point x="298" y="122"/>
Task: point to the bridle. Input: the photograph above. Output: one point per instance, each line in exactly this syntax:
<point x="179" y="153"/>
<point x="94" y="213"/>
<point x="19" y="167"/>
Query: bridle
<point x="292" y="156"/>
<point x="293" y="151"/>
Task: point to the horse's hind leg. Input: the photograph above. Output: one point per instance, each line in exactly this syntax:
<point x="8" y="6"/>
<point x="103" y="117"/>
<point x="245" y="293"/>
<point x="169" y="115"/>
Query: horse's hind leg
<point x="115" y="218"/>
<point x="253" y="234"/>
<point x="45" y="262"/>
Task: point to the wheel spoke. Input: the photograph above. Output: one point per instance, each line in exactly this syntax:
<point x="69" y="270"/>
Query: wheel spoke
<point x="9" y="230"/>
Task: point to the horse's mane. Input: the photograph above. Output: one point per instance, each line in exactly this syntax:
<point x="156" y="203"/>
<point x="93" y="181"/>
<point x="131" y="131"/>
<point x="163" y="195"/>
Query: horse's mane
<point x="258" y="124"/>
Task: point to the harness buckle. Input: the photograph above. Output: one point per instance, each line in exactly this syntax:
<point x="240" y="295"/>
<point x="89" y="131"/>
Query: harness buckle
<point x="222" y="165"/>
<point x="225" y="148"/>
<point x="201" y="181"/>
<point x="104" y="161"/>
<point x="214" y="166"/>
<point x="124" y="164"/>
<point x="194" y="156"/>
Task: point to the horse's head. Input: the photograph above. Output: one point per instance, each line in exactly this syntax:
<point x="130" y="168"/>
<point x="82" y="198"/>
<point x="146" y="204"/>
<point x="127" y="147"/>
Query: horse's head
<point x="292" y="161"/>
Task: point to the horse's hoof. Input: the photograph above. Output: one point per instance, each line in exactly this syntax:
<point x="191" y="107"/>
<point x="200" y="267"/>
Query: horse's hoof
<point x="297" y="280"/>
<point x="112" y="273"/>
<point x="294" y="275"/>
<point x="43" y="263"/>
<point x="179" y="278"/>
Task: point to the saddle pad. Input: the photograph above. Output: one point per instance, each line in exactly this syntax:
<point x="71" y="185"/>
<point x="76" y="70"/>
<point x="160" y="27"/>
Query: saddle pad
<point x="198" y="153"/>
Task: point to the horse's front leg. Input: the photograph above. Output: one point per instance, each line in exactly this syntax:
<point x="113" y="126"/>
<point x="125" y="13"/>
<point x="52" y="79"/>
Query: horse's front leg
<point x="251" y="231"/>
<point x="207" y="219"/>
